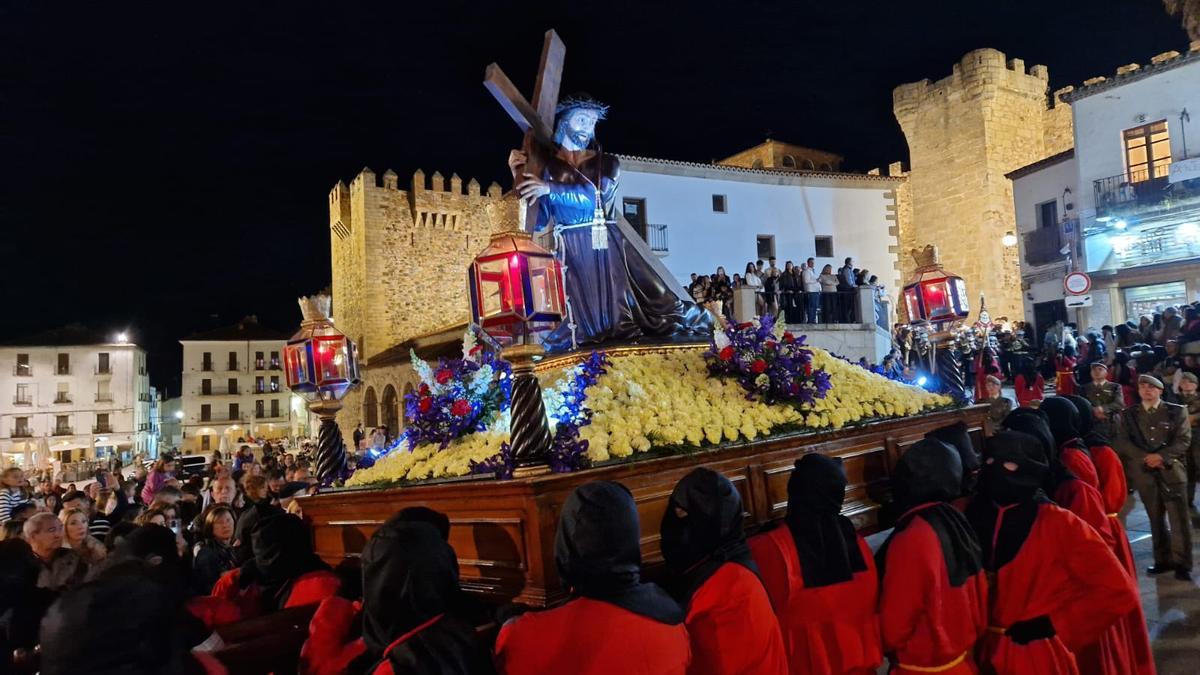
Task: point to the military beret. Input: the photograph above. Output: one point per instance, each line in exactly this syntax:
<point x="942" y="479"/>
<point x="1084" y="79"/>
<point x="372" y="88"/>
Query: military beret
<point x="1150" y="380"/>
<point x="1191" y="377"/>
<point x="992" y="379"/>
<point x="1099" y="364"/>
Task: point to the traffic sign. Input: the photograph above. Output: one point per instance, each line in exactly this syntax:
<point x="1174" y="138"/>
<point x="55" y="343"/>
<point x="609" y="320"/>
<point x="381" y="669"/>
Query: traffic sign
<point x="1078" y="301"/>
<point x="1077" y="283"/>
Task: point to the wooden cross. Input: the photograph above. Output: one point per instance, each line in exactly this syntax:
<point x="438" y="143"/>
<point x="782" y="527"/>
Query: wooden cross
<point x="536" y="120"/>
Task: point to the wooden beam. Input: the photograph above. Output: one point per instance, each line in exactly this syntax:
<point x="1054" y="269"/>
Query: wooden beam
<point x="550" y="70"/>
<point x="509" y="98"/>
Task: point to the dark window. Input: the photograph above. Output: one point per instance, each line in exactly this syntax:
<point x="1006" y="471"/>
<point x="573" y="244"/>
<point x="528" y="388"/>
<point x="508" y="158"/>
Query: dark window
<point x="274" y="383"/>
<point x="259" y="361"/>
<point x="635" y="212"/>
<point x="205" y="412"/>
<point x="233" y="411"/>
<point x="275" y="360"/>
<point x="274" y="407"/>
<point x="1047" y="214"/>
<point x="808" y="164"/>
<point x="23" y="367"/>
<point x="260" y="408"/>
<point x="259" y="385"/>
<point x="719" y="204"/>
<point x="824" y="247"/>
<point x="204" y="443"/>
<point x="233" y="388"/>
<point x="233" y="361"/>
<point x="758" y="164"/>
<point x="766" y="246"/>
<point x="206" y="387"/>
<point x="64" y="364"/>
<point x="1148" y="151"/>
<point x="789" y="162"/>
<point x="62" y="424"/>
<point x="207" y="363"/>
<point x="21" y="427"/>
<point x="102" y="363"/>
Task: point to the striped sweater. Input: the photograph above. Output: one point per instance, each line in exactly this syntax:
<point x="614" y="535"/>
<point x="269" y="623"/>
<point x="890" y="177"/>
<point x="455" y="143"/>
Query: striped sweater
<point x="9" y="497"/>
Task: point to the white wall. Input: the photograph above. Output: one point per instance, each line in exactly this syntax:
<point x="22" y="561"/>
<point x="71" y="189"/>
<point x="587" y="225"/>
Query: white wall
<point x="246" y="375"/>
<point x="792" y="208"/>
<point x="1101" y="117"/>
<point x="1030" y="190"/>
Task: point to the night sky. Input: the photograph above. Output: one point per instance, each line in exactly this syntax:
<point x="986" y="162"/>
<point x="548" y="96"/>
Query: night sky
<point x="164" y="166"/>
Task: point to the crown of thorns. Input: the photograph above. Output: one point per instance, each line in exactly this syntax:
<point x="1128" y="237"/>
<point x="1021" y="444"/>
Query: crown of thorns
<point x="581" y="102"/>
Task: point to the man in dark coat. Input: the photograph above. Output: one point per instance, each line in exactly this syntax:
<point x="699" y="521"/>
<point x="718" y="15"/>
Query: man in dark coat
<point x="1152" y="439"/>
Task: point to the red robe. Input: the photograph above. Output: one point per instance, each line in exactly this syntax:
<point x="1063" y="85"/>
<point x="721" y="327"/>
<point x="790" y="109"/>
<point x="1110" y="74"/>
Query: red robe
<point x="732" y="627"/>
<point x="591" y="637"/>
<point x="329" y="649"/>
<point x="1063" y="570"/>
<point x="1080" y="498"/>
<point x="307" y="589"/>
<point x="926" y="622"/>
<point x="829" y="630"/>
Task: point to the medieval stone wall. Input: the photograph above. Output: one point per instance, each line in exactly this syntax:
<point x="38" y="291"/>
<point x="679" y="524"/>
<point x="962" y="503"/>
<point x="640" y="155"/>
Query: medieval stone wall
<point x="399" y="260"/>
<point x="964" y="132"/>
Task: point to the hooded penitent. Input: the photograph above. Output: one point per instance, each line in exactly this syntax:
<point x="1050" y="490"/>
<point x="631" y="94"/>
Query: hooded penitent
<point x="283" y="551"/>
<point x="826" y="542"/>
<point x="1086" y="423"/>
<point x="1013" y="473"/>
<point x="1063" y="418"/>
<point x="410" y="586"/>
<point x="929" y="475"/>
<point x="599" y="556"/>
<point x="708" y="534"/>
<point x="958" y="438"/>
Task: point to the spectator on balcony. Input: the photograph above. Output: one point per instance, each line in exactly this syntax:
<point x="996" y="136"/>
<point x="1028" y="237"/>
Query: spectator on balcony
<point x="790" y="290"/>
<point x="847" y="281"/>
<point x="752" y="280"/>
<point x="770" y="280"/>
<point x="721" y="289"/>
<point x="810" y="283"/>
<point x="831" y="301"/>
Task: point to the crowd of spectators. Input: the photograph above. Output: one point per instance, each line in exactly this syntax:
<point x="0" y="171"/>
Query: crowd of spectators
<point x="802" y="293"/>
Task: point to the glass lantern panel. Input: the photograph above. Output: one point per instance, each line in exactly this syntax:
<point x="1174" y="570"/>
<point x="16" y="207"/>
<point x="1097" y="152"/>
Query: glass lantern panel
<point x="937" y="298"/>
<point x="332" y="360"/>
<point x="296" y="362"/>
<point x="494" y="295"/>
<point x="543" y="281"/>
<point x="960" y="295"/>
<point x="913" y="304"/>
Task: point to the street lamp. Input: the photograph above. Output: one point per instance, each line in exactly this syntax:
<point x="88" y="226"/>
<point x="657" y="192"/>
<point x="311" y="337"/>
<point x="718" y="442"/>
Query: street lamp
<point x="1009" y="239"/>
<point x="321" y="365"/>
<point x="516" y="290"/>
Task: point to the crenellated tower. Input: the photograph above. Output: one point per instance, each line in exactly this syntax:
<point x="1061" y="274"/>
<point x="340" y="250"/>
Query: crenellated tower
<point x="964" y="133"/>
<point x="399" y="257"/>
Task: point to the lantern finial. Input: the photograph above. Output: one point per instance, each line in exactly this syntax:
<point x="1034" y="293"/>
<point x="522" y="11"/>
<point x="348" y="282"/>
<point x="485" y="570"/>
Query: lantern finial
<point x="314" y="307"/>
<point x="926" y="257"/>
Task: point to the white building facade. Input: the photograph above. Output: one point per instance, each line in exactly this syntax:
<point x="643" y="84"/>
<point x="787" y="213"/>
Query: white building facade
<point x="697" y="217"/>
<point x="1129" y="216"/>
<point x="72" y="396"/>
<point x="233" y="388"/>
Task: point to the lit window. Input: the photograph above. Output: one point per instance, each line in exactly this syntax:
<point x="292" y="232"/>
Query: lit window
<point x="1147" y="151"/>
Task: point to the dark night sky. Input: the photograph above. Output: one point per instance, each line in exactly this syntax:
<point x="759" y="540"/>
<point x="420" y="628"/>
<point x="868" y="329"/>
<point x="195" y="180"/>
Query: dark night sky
<point x="164" y="166"/>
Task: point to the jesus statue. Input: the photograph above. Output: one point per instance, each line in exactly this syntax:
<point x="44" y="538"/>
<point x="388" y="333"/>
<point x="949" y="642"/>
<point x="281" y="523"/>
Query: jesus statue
<point x="617" y="290"/>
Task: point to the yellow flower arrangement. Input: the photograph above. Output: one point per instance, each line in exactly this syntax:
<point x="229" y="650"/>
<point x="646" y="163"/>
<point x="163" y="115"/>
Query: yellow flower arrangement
<point x="668" y="399"/>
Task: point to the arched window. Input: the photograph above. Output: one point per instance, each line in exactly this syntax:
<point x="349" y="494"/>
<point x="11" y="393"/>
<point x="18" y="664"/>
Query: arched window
<point x="826" y="166"/>
<point x="808" y="165"/>
<point x="789" y="162"/>
<point x="370" y="411"/>
<point x="391" y="412"/>
<point x="757" y="164"/>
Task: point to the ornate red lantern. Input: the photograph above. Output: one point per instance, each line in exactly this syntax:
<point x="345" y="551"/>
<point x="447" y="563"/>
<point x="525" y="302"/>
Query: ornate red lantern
<point x="933" y="294"/>
<point x="515" y="287"/>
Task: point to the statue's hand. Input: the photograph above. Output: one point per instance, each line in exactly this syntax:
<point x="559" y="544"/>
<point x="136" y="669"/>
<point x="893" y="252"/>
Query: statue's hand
<point x="532" y="187"/>
<point x="516" y="162"/>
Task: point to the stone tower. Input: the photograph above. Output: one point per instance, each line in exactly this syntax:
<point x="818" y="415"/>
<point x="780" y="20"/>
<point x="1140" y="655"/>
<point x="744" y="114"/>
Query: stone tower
<point x="964" y="132"/>
<point x="399" y="257"/>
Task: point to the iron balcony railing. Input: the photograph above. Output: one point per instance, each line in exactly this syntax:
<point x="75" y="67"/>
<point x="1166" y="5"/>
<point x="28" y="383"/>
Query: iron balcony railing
<point x="1133" y="188"/>
<point x="214" y="417"/>
<point x="1043" y="245"/>
<point x="268" y="415"/>
<point x="62" y="397"/>
<point x="21" y="432"/>
<point x="62" y="370"/>
<point x="22" y="400"/>
<point x="656" y="236"/>
<point x="22" y="370"/>
<point x="102" y="397"/>
<point x="63" y="431"/>
<point x="103" y="370"/>
<point x="221" y="391"/>
<point x="102" y="429"/>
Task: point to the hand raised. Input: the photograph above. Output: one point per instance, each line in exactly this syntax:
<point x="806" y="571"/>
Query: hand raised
<point x="516" y="161"/>
<point x="532" y="187"/>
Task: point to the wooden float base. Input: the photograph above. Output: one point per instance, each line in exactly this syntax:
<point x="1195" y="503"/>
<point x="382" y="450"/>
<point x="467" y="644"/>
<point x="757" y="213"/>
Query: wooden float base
<point x="503" y="530"/>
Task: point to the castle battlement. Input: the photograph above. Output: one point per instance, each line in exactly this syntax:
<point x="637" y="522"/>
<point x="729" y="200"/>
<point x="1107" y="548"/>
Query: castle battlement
<point x="976" y="72"/>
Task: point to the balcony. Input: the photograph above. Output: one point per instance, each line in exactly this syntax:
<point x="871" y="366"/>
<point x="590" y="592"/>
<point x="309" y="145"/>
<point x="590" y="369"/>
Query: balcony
<point x="102" y="429"/>
<point x="21" y="432"/>
<point x="103" y="370"/>
<point x="1136" y="191"/>
<point x="272" y="415"/>
<point x="62" y="370"/>
<point x="656" y="236"/>
<point x="233" y="366"/>
<point x="221" y="391"/>
<point x="104" y="397"/>
<point x="22" y="370"/>
<point x="22" y="400"/>
<point x="239" y="417"/>
<point x="62" y="397"/>
<point x="206" y="366"/>
<point x="1044" y="245"/>
<point x="63" y="431"/>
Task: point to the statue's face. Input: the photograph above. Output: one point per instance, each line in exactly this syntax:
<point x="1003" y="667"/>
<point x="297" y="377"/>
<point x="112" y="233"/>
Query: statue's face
<point x="577" y="128"/>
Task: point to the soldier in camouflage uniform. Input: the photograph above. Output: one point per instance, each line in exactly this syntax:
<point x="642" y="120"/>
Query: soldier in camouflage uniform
<point x="1106" y="399"/>
<point x="998" y="405"/>
<point x="1152" y="438"/>
<point x="1190" y="398"/>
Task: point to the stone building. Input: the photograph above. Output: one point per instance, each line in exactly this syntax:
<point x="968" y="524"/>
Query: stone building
<point x="772" y="154"/>
<point x="399" y="260"/>
<point x="965" y="132"/>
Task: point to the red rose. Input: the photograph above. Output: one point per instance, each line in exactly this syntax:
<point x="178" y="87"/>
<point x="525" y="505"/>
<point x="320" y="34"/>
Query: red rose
<point x="758" y="366"/>
<point x="460" y="407"/>
<point x="442" y="376"/>
<point x="808" y="369"/>
<point x="771" y="344"/>
<point x="424" y="389"/>
<point x="725" y="354"/>
<point x="744" y="326"/>
<point x="425" y="404"/>
<point x="788" y="338"/>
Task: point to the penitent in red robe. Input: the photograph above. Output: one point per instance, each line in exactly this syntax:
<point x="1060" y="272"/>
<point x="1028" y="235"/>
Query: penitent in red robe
<point x="1063" y="570"/>
<point x="926" y="622"/>
<point x="829" y="630"/>
<point x="591" y="637"/>
<point x="732" y="628"/>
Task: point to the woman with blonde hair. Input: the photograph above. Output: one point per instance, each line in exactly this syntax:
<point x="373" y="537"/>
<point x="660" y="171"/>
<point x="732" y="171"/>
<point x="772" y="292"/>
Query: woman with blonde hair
<point x="76" y="537"/>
